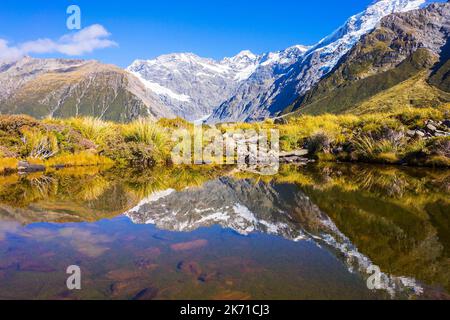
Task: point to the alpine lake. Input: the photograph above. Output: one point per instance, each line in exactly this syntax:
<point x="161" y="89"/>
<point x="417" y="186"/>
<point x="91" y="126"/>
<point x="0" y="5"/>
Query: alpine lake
<point x="323" y="231"/>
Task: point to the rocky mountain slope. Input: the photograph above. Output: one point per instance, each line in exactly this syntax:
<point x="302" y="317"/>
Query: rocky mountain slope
<point x="192" y="86"/>
<point x="403" y="62"/>
<point x="253" y="97"/>
<point x="246" y="87"/>
<point x="65" y="88"/>
<point x="265" y="95"/>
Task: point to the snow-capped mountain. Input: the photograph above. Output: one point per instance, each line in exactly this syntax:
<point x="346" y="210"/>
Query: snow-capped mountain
<point x="264" y="94"/>
<point x="403" y="48"/>
<point x="191" y="86"/>
<point x="333" y="47"/>
<point x="246" y="87"/>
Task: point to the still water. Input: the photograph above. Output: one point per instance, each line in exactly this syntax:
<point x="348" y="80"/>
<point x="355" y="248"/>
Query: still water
<point x="315" y="232"/>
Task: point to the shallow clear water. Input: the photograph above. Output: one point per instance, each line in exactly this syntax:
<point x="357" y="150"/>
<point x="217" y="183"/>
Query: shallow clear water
<point x="202" y="233"/>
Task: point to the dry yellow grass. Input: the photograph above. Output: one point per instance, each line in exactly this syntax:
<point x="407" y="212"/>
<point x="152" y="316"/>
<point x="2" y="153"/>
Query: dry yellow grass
<point x="8" y="164"/>
<point x="151" y="133"/>
<point x="79" y="160"/>
<point x="413" y="92"/>
<point x="92" y="128"/>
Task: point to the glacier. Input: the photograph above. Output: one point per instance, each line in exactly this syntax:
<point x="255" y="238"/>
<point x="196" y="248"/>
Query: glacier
<point x="250" y="87"/>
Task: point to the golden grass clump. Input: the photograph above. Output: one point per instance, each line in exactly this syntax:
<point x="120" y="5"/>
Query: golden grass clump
<point x="151" y="133"/>
<point x="92" y="128"/>
<point x="39" y="144"/>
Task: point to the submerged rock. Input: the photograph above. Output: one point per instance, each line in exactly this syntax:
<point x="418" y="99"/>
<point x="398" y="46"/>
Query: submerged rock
<point x="190" y="268"/>
<point x="184" y="246"/>
<point x="146" y="294"/>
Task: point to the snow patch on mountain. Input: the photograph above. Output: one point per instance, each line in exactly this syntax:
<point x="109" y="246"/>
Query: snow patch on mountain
<point x="343" y="39"/>
<point x="160" y="90"/>
<point x="192" y="86"/>
<point x="283" y="76"/>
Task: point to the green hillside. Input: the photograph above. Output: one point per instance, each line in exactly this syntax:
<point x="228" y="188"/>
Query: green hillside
<point x="353" y="94"/>
<point x="403" y="63"/>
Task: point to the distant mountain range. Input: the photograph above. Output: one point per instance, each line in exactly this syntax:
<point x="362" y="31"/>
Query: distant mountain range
<point x="206" y="84"/>
<point x="371" y="62"/>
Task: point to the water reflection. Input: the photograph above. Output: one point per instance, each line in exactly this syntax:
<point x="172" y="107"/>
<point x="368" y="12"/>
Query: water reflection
<point x="305" y="233"/>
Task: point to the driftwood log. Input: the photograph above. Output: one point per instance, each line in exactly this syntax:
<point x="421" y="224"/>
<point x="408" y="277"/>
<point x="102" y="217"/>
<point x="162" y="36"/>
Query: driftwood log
<point x="27" y="167"/>
<point x="296" y="156"/>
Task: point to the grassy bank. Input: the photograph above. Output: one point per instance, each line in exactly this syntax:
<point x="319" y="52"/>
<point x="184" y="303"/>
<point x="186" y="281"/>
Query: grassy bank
<point x="399" y="137"/>
<point x="81" y="142"/>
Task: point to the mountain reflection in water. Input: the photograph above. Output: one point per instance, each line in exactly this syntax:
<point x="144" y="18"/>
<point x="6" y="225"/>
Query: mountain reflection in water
<point x="200" y="233"/>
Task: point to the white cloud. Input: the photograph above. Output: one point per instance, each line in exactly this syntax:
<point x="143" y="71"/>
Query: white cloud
<point x="77" y="44"/>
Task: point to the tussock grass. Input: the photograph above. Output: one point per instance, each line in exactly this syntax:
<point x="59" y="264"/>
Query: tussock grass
<point x="370" y="148"/>
<point x="39" y="144"/>
<point x="92" y="128"/>
<point x="151" y="133"/>
<point x="376" y="137"/>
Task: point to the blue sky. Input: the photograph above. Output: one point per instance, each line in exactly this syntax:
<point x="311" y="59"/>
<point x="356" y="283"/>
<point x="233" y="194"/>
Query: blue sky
<point x="210" y="28"/>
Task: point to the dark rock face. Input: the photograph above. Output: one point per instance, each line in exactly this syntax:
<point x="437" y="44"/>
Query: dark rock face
<point x="280" y="121"/>
<point x="440" y="76"/>
<point x="146" y="294"/>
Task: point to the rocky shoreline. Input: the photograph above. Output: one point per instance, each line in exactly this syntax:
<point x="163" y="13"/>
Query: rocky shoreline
<point x="431" y="129"/>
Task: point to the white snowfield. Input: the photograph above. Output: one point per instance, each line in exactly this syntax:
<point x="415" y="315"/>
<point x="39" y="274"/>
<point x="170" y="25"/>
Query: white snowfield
<point x="267" y="92"/>
<point x="250" y="87"/>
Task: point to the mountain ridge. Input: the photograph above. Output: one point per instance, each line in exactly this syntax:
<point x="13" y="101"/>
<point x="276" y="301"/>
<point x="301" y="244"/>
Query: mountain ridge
<point x="243" y="88"/>
<point x="64" y="88"/>
<point x="253" y="104"/>
<point x="192" y="86"/>
<point x="400" y="48"/>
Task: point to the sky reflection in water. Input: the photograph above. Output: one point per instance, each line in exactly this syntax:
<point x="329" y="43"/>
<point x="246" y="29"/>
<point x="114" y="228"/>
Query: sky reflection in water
<point x="208" y="234"/>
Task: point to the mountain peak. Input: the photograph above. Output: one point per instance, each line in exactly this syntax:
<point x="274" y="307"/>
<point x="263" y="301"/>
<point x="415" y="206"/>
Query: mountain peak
<point x="243" y="57"/>
<point x="366" y="21"/>
<point x="246" y="54"/>
<point x="300" y="47"/>
<point x="192" y="86"/>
